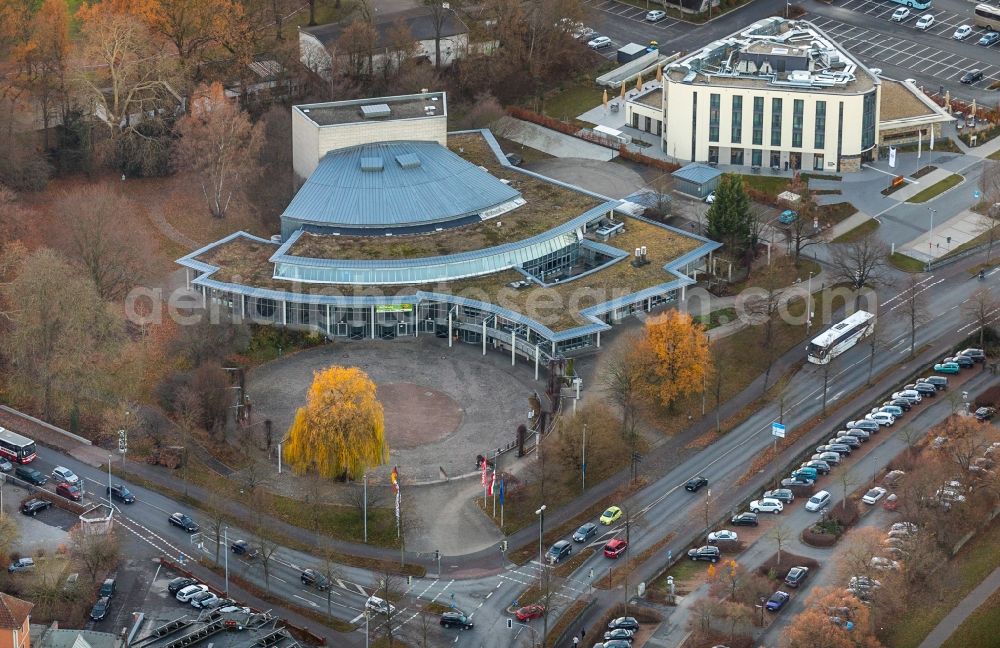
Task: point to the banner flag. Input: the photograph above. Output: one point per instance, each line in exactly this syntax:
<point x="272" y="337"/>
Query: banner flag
<point x="493" y="483"/>
<point x="502" y="482"/>
<point x="395" y="479"/>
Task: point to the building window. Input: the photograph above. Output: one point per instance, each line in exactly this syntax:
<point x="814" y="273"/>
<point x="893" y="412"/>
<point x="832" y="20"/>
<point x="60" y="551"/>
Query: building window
<point x="840" y="134"/>
<point x="818" y="162"/>
<point x="820" y="141"/>
<point x="737" y="134"/>
<point x="758" y="121"/>
<point x="694" y="125"/>
<point x="775" y="159"/>
<point x="713" y="154"/>
<point x="736" y="156"/>
<point x="755" y="157"/>
<point x="868" y="122"/>
<point x="713" y="118"/>
<point x="776" y="121"/>
<point x="797" y="108"/>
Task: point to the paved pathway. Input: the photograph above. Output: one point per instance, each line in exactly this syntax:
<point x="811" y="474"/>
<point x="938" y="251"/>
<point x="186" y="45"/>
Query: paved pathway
<point x="965" y="607"/>
<point x="554" y="143"/>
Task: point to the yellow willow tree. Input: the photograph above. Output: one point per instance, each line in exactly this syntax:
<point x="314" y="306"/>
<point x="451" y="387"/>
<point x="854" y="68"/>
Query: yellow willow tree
<point x="674" y="357"/>
<point x="341" y="429"/>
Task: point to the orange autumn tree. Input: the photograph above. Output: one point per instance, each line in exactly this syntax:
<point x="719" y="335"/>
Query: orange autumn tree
<point x="815" y="627"/>
<point x="674" y="357"/>
<point x="341" y="429"/>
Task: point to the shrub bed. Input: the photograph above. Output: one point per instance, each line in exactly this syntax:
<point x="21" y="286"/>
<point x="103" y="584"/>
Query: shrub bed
<point x="771" y="569"/>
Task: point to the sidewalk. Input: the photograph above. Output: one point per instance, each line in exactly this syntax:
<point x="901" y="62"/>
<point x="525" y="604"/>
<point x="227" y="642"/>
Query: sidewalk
<point x="916" y="186"/>
<point x="965" y="607"/>
<point x="960" y="229"/>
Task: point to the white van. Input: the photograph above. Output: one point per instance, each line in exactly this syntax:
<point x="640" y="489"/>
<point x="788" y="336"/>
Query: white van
<point x="818" y="501"/>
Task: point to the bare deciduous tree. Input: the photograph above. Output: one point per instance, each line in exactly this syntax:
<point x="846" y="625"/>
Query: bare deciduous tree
<point x="982" y="308"/>
<point x="860" y="263"/>
<point x="914" y="306"/>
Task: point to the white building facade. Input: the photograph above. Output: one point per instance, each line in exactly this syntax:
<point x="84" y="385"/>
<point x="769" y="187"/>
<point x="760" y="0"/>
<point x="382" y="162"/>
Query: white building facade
<point x="778" y="94"/>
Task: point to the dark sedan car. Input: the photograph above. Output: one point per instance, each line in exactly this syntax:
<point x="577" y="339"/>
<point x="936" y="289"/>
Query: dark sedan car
<point x="179" y="583"/>
<point x="985" y="413"/>
<point x="961" y="360"/>
<point x="777" y="601"/>
<point x="628" y="623"/>
<point x="977" y="355"/>
<point x="783" y="495"/>
<point x="120" y="493"/>
<point x="619" y="634"/>
<point x="708" y="552"/>
<point x="456" y="620"/>
<point x="901" y="403"/>
<point x="243" y="548"/>
<point x="34" y="506"/>
<point x="821" y="467"/>
<point x="183" y="521"/>
<point x="558" y="551"/>
<point x="744" y="519"/>
<point x="796" y="575"/>
<point x="30" y="475"/>
<point x="972" y="76"/>
<point x="100" y="609"/>
<point x="585" y="532"/>
<point x="695" y="483"/>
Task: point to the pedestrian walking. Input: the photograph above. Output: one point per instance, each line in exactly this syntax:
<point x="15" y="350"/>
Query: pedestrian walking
<point x="583" y="632"/>
<point x="576" y="642"/>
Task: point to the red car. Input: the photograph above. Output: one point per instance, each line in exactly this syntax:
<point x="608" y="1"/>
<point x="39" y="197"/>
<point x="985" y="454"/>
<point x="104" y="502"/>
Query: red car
<point x="614" y="548"/>
<point x="70" y="491"/>
<point x="534" y="611"/>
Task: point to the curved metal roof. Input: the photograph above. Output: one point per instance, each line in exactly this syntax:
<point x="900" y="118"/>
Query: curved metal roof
<point x="394" y="183"/>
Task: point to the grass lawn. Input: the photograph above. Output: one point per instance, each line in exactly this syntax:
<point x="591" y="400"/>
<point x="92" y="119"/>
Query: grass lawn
<point x="907" y="263"/>
<point x="717" y="318"/>
<point x="574" y="98"/>
<point x="979" y="628"/>
<point x="529" y="154"/>
<point x="771" y="185"/>
<point x="979" y="240"/>
<point x="937" y="189"/>
<point x="994" y="156"/>
<point x="833" y="214"/>
<point x="927" y="606"/>
<point x="854" y="234"/>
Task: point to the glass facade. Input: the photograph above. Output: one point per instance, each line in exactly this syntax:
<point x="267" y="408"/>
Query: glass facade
<point x="758" y="121"/>
<point x="776" y="121"/>
<point x="713" y="117"/>
<point x="798" y="107"/>
<point x="820" y="141"/>
<point x="868" y="122"/>
<point x="755" y="157"/>
<point x="737" y="125"/>
<point x="736" y="156"/>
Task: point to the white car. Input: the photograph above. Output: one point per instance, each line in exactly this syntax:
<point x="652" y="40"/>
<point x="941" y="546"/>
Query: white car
<point x="878" y="562"/>
<point x="379" y="605"/>
<point x="766" y="505"/>
<point x="818" y="501"/>
<point x="710" y="198"/>
<point x="599" y="42"/>
<point x="900" y="14"/>
<point x="907" y="527"/>
<point x="862" y="583"/>
<point x="61" y="474"/>
<point x="882" y="418"/>
<point x="656" y="15"/>
<point x="962" y="32"/>
<point x="908" y="394"/>
<point x="722" y="536"/>
<point x="925" y="21"/>
<point x="203" y="600"/>
<point x="184" y="596"/>
<point x="874" y="495"/>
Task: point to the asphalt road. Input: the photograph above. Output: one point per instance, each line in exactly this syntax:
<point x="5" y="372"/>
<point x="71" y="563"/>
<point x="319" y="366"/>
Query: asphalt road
<point x="931" y="57"/>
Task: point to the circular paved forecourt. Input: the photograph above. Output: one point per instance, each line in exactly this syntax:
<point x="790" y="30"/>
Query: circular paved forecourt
<point x="606" y="178"/>
<point x="442" y="406"/>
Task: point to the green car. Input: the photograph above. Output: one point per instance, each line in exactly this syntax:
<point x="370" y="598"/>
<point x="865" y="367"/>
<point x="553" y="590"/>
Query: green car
<point x="809" y="472"/>
<point x="947" y="367"/>
<point x="787" y="217"/>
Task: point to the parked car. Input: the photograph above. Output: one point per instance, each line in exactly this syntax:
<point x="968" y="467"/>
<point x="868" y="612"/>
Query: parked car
<point x="723" y="535"/>
<point x="179" y="583"/>
<point x="619" y="634"/>
<point x="777" y="601"/>
<point x="989" y="38"/>
<point x="965" y="362"/>
<point x="183" y="521"/>
<point x="977" y="355"/>
<point x="615" y="644"/>
<point x="108" y="588"/>
<point x="864" y="424"/>
<point x="34" y="506"/>
<point x="456" y="620"/>
<point x="615" y="547"/>
<point x="379" y="605"/>
<point x="626" y="623"/>
<point x="599" y="42"/>
<point x="909" y="395"/>
<point x="963" y="32"/>
<point x="809" y="473"/>
<point x="924" y="22"/>
<point x="884" y="418"/>
<point x="985" y="413"/>
<point x="883" y="564"/>
<point x="766" y="506"/>
<point x="120" y="493"/>
<point x="972" y="76"/>
<point x="818" y="501"/>
<point x="941" y="382"/>
<point x="902" y="403"/>
<point x="5" y="465"/>
<point x="710" y="198"/>
<point x="840" y="448"/>
<point x="744" y="519"/>
<point x="65" y="475"/>
<point x="203" y="600"/>
<point x="783" y="495"/>
<point x="831" y="458"/>
<point x="787" y="217"/>
<point x="907" y="527"/>
<point x="708" y="552"/>
<point x="852" y="441"/>
<point x="245" y="549"/>
<point x="585" y="532"/>
<point x="515" y="159"/>
<point x="796" y="575"/>
<point x="925" y="389"/>
<point x="794" y="482"/>
<point x="695" y="483"/>
<point x="528" y="612"/>
<point x="822" y="467"/>
<point x="20" y="565"/>
<point x="656" y="15"/>
<point x="70" y="491"/>
<point x="315" y="579"/>
<point x="185" y="594"/>
<point x="611" y="515"/>
<point x="892" y="477"/>
<point x="863" y="584"/>
<point x="948" y="367"/>
<point x="100" y="609"/>
<point x="857" y="433"/>
<point x="901" y="14"/>
<point x="891" y="409"/>
<point x="561" y="549"/>
<point x="30" y="475"/>
<point x="873" y="495"/>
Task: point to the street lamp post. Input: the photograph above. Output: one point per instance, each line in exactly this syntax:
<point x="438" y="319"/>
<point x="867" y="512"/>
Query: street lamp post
<point x="225" y="548"/>
<point x="930" y="239"/>
<point x="809" y="297"/>
<point x="583" y="461"/>
<point x="109" y="481"/>
<point x="366" y="508"/>
<point x="541" y="524"/>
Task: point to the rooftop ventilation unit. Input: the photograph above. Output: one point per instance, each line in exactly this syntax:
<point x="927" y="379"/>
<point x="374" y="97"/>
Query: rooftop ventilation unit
<point x="408" y="161"/>
<point x="375" y="111"/>
<point x="371" y="164"/>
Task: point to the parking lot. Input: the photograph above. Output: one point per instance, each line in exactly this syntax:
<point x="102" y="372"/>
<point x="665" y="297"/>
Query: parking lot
<point x="625" y="19"/>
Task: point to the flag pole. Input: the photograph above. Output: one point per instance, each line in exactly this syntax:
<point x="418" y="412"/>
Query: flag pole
<point x="493" y="488"/>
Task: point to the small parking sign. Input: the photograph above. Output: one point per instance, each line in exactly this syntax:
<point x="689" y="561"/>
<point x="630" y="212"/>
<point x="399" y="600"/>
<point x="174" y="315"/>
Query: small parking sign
<point x="778" y="430"/>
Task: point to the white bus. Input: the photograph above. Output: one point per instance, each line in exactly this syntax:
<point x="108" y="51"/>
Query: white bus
<point x="15" y="447"/>
<point x="840" y="337"/>
<point x="987" y="16"/>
